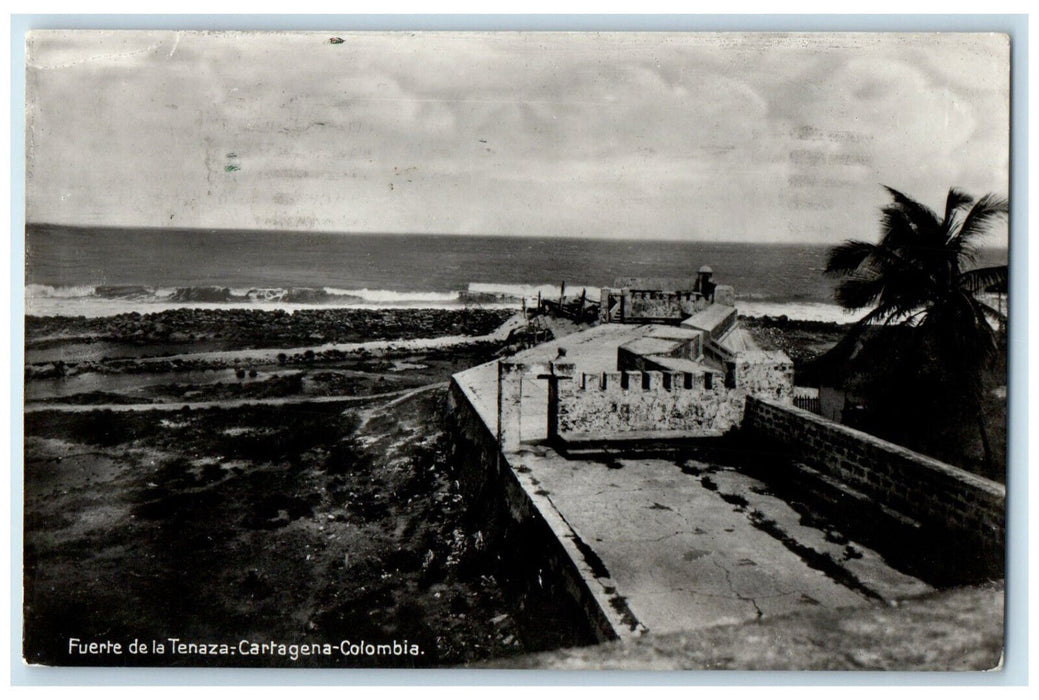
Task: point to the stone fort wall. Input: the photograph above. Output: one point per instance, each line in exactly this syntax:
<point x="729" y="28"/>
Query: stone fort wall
<point x="513" y="523"/>
<point x="931" y="492"/>
<point x="634" y="303"/>
<point x="696" y="403"/>
<point x="640" y="303"/>
<point x="616" y="402"/>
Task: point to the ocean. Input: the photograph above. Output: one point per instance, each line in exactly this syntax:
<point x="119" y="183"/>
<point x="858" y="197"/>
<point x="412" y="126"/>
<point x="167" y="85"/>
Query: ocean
<point x="73" y="271"/>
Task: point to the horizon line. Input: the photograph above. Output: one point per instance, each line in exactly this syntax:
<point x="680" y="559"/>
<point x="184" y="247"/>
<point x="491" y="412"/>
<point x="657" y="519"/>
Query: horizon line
<point x="327" y="232"/>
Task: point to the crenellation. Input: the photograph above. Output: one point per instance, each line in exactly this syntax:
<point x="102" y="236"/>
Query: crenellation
<point x="637" y="381"/>
<point x="632" y="380"/>
<point x="652" y="381"/>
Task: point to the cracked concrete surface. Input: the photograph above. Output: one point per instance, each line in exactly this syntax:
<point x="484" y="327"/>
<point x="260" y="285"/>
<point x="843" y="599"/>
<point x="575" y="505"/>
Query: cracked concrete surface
<point x="684" y="557"/>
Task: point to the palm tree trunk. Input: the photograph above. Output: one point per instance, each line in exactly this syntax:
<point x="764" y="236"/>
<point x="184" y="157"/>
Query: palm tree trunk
<point x="985" y="447"/>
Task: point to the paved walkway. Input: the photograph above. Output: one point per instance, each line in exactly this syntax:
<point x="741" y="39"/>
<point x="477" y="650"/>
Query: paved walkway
<point x="691" y="544"/>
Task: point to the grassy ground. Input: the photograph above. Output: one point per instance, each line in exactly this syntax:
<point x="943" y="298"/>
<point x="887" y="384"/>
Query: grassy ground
<point x="301" y="524"/>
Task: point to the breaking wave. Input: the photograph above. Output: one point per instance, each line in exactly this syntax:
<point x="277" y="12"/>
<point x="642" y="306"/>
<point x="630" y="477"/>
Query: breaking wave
<point x="46" y="291"/>
<point x="107" y="300"/>
<point x="246" y="295"/>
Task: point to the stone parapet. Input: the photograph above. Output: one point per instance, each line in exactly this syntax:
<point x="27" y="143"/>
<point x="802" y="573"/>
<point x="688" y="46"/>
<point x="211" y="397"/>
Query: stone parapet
<point x="925" y="489"/>
<point x="697" y="402"/>
<point x="616" y="402"/>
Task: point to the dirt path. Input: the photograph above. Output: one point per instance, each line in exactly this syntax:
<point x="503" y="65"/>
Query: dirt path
<point x="399" y="396"/>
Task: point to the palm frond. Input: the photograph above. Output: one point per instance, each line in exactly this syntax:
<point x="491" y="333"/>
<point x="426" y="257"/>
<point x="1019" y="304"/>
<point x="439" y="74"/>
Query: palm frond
<point x="991" y="313"/>
<point x="981" y="216"/>
<point x="859" y="257"/>
<point x="980" y="279"/>
<point x="848" y="257"/>
<point x="897" y="231"/>
<point x="880" y="315"/>
<point x="960" y="324"/>
<point x="922" y="217"/>
<point x="985" y="335"/>
<point x="965" y="253"/>
<point x="953" y="203"/>
<point x="858" y="292"/>
<point x="877" y="275"/>
<point x="912" y="319"/>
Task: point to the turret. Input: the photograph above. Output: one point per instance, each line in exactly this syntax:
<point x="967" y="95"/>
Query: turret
<point x="704" y="285"/>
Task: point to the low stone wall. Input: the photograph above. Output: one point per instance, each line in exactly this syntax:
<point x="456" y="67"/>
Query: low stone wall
<point x="541" y="565"/>
<point x="924" y="489"/>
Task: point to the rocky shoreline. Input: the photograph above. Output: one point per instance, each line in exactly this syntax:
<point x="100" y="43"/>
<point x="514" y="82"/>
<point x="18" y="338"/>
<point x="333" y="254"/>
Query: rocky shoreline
<point x="134" y="343"/>
<point x="802" y="341"/>
<point x="256" y="328"/>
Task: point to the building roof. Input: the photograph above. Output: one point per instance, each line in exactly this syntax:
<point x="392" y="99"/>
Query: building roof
<point x="710" y="318"/>
<point x="652" y="346"/>
<point x="672" y="332"/>
<point x="738" y="340"/>
<point x="681" y="364"/>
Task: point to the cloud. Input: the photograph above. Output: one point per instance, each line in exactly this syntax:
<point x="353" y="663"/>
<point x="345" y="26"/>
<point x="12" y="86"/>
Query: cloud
<point x="673" y="135"/>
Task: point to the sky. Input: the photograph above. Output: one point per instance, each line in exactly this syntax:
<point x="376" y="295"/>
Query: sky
<point x="718" y="137"/>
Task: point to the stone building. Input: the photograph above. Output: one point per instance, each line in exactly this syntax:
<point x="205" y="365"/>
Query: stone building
<point x="678" y="363"/>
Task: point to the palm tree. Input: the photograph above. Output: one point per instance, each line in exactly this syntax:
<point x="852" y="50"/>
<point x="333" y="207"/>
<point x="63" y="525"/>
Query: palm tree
<point x="920" y="274"/>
